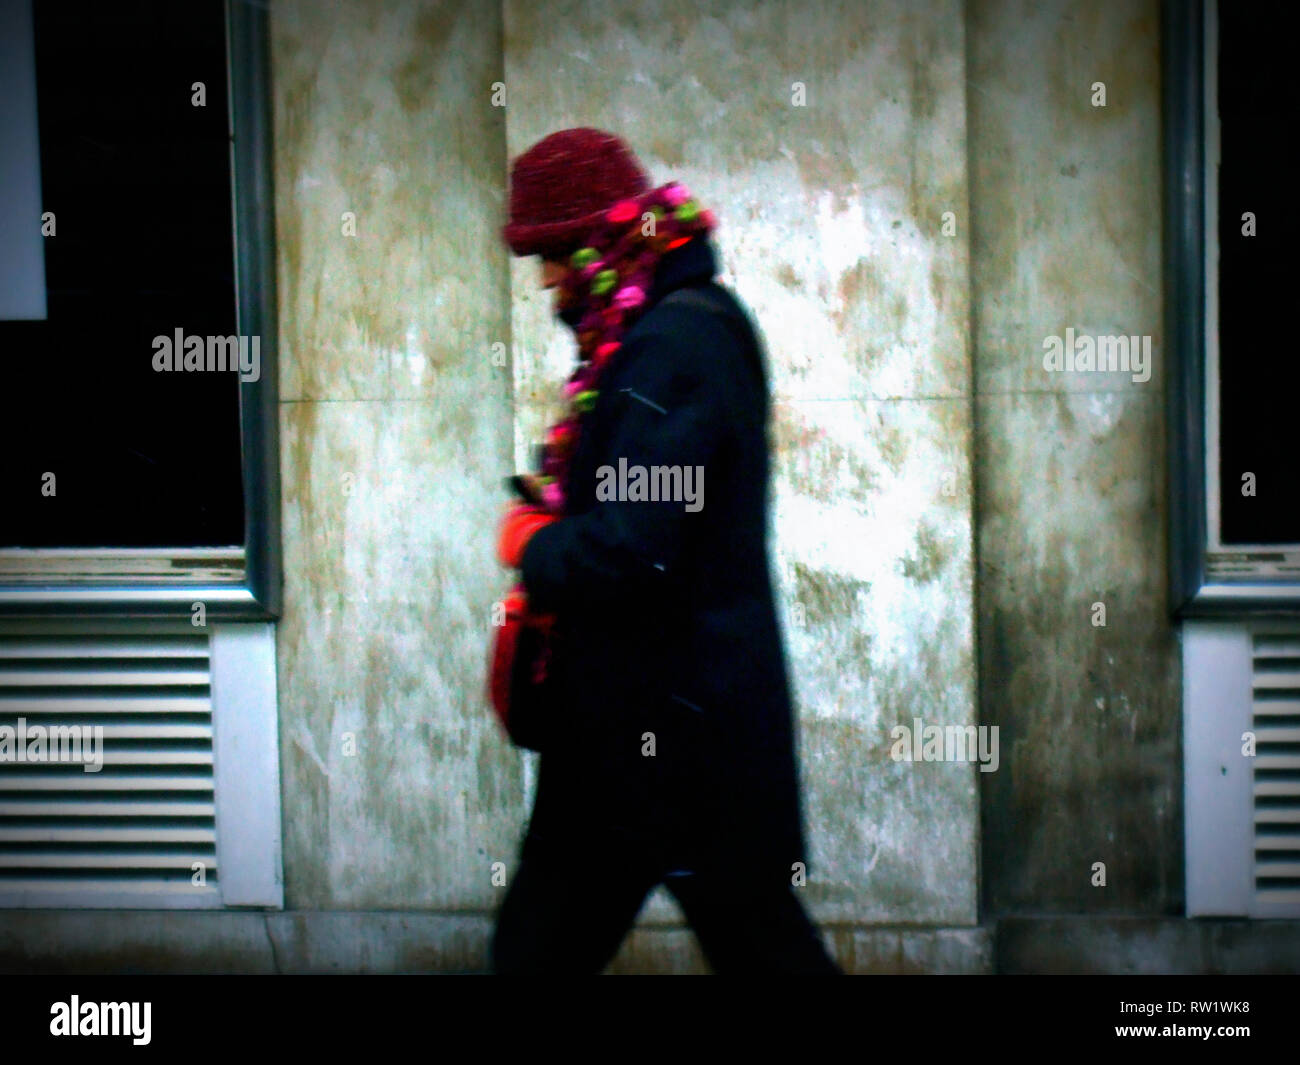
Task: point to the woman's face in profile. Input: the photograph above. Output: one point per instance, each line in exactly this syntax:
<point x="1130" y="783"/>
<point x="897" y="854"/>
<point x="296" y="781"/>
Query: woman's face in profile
<point x="553" y="273"/>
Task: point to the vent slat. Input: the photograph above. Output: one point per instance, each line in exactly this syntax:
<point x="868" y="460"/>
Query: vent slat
<point x="180" y="860"/>
<point x="1271" y="788"/>
<point x="1275" y="707"/>
<point x="1273" y="896"/>
<point x="1279" y="761"/>
<point x="47" y="891"/>
<point x="161" y="756"/>
<point x="1282" y="679"/>
<point x="101" y="835"/>
<point x="126" y="676"/>
<point x="74" y="647"/>
<point x="1277" y="734"/>
<point x="103" y="781"/>
<point x="1287" y="841"/>
<point x="106" y="703"/>
<point x="1277" y="817"/>
<point x="1277" y="870"/>
<point x="1286" y="645"/>
<point x="121" y="808"/>
<point x="108" y="860"/>
<point x="145" y="730"/>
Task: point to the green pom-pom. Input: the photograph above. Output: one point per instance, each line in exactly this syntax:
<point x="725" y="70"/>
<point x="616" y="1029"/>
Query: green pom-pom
<point x="687" y="211"/>
<point x="604" y="281"/>
<point x="585" y="401"/>
<point x="583" y="257"/>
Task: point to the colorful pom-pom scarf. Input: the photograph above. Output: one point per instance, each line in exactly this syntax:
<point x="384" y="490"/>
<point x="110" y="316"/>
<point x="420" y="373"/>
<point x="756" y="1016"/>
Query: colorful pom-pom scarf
<point x="610" y="281"/>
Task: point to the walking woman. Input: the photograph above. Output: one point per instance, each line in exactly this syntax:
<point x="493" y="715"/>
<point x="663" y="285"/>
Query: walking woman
<point x="670" y="757"/>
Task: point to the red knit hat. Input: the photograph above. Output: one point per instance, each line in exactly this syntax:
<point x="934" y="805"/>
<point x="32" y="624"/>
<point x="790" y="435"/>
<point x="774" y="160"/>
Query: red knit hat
<point x="561" y="187"/>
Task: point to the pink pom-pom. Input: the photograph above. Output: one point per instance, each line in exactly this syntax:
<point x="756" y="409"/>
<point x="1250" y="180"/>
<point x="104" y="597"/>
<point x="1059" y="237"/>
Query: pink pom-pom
<point x="623" y="211"/>
<point x="553" y="496"/>
<point x="629" y="296"/>
<point x="676" y="194"/>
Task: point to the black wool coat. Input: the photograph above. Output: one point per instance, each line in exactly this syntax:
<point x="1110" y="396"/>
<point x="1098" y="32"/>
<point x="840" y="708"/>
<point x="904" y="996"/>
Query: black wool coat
<point x="674" y="739"/>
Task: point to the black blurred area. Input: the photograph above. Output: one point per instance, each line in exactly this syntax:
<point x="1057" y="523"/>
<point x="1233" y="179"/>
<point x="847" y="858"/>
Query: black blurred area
<point x="140" y="184"/>
<point x="1259" y="367"/>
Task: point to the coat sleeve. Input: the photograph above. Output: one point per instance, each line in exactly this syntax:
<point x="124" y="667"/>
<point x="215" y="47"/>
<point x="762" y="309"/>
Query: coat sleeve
<point x="671" y="411"/>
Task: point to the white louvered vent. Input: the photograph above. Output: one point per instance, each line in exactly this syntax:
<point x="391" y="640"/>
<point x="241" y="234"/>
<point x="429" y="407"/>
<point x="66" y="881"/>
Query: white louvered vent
<point x="132" y="832"/>
<point x="1275" y="720"/>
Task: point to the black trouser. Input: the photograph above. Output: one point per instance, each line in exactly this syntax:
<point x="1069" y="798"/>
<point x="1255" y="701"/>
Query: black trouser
<point x="561" y="918"/>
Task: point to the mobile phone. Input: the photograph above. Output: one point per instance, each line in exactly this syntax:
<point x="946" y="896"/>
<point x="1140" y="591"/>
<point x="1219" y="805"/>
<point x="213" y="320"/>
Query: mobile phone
<point x="523" y="490"/>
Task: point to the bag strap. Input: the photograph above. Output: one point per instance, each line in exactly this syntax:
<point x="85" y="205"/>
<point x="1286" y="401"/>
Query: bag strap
<point x="696" y="296"/>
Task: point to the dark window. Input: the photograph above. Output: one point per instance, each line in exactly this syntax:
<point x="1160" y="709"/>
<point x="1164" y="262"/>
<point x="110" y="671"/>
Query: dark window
<point x="1259" y="367"/>
<point x="139" y="180"/>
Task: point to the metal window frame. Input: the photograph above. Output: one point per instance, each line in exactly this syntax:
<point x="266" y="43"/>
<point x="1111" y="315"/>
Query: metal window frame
<point x="1218" y="804"/>
<point x="1189" y="42"/>
<point x="242" y="582"/>
<point x="246" y="766"/>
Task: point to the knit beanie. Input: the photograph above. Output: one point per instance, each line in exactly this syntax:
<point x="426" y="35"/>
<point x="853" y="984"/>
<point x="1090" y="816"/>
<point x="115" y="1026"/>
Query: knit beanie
<point x="562" y="186"/>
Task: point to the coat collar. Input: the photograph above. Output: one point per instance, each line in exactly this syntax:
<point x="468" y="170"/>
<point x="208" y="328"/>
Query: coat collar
<point x="695" y="262"/>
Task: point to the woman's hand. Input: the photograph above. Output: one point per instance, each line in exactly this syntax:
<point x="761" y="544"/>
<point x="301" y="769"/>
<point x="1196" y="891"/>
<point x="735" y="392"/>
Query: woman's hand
<point x="520" y="522"/>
